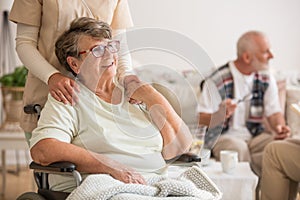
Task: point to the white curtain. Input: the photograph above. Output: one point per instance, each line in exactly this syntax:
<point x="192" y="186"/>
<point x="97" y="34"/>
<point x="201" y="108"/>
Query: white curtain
<point x="7" y="49"/>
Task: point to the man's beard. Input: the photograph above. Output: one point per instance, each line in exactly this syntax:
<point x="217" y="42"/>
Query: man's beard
<point x="259" y="65"/>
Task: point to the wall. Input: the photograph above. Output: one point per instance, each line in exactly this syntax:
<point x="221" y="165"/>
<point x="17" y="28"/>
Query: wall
<point x="216" y="24"/>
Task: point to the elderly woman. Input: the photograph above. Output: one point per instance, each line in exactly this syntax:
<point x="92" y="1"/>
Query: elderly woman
<point x="103" y="133"/>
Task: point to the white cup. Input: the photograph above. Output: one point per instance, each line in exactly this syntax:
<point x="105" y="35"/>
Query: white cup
<point x="229" y="160"/>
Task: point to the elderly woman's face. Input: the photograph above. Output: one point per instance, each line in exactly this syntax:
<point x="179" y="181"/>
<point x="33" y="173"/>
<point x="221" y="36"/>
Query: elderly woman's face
<point x="98" y="58"/>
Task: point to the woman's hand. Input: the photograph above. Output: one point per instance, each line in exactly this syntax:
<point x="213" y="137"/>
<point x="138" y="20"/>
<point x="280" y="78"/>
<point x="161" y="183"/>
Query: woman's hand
<point x="63" y="88"/>
<point x="127" y="175"/>
<point x="120" y="171"/>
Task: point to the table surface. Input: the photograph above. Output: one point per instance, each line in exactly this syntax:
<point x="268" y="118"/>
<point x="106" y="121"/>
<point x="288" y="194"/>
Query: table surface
<point x="241" y="184"/>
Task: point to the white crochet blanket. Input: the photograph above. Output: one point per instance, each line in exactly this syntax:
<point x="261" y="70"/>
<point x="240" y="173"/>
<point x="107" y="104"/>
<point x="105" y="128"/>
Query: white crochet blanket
<point x="193" y="184"/>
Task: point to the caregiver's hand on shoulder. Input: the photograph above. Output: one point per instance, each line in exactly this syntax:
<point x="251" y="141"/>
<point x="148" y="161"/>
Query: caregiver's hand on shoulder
<point x="63" y="88"/>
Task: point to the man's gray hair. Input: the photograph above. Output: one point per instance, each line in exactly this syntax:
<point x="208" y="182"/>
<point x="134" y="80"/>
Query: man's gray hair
<point x="247" y="41"/>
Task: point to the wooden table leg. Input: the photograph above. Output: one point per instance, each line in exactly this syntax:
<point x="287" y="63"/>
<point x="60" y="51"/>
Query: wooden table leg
<point x="3" y="172"/>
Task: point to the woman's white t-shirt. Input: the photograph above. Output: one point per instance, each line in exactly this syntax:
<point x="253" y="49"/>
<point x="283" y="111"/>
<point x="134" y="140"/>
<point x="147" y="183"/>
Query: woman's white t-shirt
<point x="121" y="132"/>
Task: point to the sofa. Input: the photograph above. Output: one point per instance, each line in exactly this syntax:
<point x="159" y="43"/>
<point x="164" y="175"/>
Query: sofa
<point x="182" y="90"/>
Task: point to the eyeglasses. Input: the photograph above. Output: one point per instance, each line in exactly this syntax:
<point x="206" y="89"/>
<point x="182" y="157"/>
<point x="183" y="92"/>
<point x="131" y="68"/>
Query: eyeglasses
<point x="98" y="51"/>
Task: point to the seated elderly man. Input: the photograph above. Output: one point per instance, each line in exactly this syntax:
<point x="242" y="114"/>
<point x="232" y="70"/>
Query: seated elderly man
<point x="103" y="133"/>
<point x="236" y="98"/>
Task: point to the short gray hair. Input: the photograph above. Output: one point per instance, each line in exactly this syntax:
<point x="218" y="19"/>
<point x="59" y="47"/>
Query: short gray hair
<point x="67" y="44"/>
<point x="247" y="41"/>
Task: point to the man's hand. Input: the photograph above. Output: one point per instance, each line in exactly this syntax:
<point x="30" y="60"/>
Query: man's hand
<point x="228" y="107"/>
<point x="282" y="132"/>
<point x="63" y="88"/>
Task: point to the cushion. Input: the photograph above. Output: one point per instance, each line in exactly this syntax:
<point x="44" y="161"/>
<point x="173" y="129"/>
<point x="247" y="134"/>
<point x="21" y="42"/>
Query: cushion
<point x="293" y="118"/>
<point x="181" y="89"/>
<point x="281" y="84"/>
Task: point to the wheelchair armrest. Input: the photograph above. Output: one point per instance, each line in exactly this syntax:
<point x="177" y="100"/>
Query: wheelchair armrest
<point x="54" y="167"/>
<point x="185" y="158"/>
<point x="41" y="172"/>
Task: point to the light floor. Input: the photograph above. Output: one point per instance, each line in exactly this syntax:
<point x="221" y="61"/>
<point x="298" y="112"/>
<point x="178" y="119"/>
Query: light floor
<point x="17" y="184"/>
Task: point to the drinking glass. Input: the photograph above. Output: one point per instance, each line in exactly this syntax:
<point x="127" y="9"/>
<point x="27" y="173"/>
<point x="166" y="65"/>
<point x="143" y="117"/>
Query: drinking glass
<point x="198" y="134"/>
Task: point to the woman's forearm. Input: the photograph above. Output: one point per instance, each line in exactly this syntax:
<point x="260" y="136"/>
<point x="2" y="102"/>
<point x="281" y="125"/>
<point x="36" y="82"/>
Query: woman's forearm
<point x="212" y="120"/>
<point x="48" y="151"/>
<point x="176" y="135"/>
<point x="26" y="47"/>
<point x="124" y="57"/>
<point x="161" y="112"/>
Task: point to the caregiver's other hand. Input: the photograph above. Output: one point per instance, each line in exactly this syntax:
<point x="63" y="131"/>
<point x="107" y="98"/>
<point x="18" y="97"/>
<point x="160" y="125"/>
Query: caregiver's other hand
<point x="129" y="80"/>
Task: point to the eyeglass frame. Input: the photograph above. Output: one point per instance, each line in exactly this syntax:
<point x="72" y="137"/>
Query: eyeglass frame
<point x="105" y="46"/>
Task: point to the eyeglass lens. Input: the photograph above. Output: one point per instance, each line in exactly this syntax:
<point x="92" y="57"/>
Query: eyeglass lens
<point x="112" y="46"/>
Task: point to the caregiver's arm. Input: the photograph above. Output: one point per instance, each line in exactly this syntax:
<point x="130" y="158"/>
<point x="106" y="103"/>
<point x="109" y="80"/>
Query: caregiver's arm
<point x="27" y="49"/>
<point x="176" y="135"/>
<point x="51" y="150"/>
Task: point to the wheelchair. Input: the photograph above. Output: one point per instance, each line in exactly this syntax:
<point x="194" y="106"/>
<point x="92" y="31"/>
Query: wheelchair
<point x="41" y="173"/>
<point x="41" y="178"/>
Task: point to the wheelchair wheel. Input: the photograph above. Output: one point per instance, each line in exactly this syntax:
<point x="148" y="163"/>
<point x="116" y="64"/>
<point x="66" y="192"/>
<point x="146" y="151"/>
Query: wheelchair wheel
<point x="31" y="196"/>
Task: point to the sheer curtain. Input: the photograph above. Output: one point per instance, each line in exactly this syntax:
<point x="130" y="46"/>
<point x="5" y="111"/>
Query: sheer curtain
<point x="7" y="49"/>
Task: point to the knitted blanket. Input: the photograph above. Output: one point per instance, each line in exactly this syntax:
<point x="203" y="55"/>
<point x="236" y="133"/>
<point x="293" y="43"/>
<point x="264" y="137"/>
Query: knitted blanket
<point x="193" y="184"/>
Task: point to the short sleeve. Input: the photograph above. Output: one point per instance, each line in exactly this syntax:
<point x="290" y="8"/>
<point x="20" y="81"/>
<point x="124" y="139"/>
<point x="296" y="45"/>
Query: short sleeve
<point x="57" y="121"/>
<point x="271" y="98"/>
<point x="27" y="12"/>
<point x="209" y="99"/>
<point x="122" y="17"/>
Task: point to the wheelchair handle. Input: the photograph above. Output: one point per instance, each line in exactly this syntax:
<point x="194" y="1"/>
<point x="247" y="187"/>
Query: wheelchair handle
<point x="33" y="109"/>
